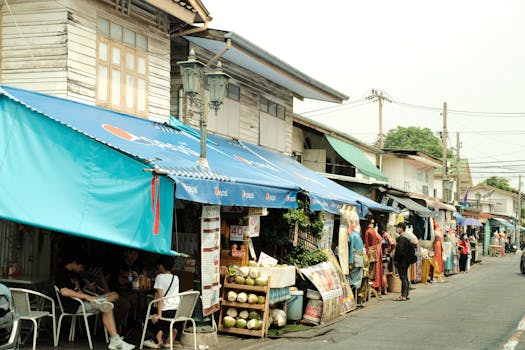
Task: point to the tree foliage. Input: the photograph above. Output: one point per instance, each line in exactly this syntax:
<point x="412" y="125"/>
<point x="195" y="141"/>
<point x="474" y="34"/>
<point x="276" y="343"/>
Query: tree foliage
<point x="498" y="182"/>
<point x="414" y="138"/>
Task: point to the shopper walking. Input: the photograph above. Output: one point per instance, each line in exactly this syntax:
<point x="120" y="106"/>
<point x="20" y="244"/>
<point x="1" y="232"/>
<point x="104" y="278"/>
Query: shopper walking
<point x="404" y="256"/>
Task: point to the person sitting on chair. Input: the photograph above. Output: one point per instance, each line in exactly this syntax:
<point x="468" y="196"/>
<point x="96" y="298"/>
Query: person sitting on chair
<point x="70" y="286"/>
<point x="166" y="285"/>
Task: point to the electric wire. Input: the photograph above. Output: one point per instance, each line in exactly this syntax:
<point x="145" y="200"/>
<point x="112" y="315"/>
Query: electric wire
<point x="337" y="108"/>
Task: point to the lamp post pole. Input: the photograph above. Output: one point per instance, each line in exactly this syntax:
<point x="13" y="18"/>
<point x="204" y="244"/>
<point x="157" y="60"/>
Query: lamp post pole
<point x="195" y="82"/>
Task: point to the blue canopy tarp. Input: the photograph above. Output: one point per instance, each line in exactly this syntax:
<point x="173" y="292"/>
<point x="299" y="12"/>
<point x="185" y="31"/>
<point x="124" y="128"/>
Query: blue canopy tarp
<point x="324" y="193"/>
<point x="52" y="176"/>
<point x="174" y="150"/>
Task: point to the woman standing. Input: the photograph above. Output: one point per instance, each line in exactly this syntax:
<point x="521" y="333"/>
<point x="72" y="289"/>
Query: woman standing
<point x="463" y="247"/>
<point x="372" y="243"/>
<point x="387" y="245"/>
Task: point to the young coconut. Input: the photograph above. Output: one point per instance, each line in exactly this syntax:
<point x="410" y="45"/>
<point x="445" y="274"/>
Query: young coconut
<point x="232" y="295"/>
<point x="228" y="321"/>
<point x="240" y="323"/>
<point x="252" y="299"/>
<point x="232" y="312"/>
<point x="244" y="314"/>
<point x="242" y="297"/>
<point x="255" y="272"/>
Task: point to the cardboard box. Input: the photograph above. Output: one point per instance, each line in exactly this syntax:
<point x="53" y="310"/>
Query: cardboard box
<point x="280" y="276"/>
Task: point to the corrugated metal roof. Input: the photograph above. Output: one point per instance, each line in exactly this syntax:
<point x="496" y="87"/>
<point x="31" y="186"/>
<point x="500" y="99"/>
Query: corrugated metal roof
<point x="255" y="59"/>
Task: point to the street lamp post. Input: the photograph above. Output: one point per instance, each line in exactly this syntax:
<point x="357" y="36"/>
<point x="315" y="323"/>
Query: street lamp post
<point x="195" y="83"/>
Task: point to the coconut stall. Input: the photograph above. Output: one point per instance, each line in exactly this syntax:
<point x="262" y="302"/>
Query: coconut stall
<point x="287" y="274"/>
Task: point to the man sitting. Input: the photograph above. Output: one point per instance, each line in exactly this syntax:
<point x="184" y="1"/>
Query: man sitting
<point x="70" y="286"/>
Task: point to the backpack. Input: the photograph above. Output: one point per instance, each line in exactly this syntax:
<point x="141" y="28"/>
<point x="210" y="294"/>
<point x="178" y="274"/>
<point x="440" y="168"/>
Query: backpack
<point x="411" y="252"/>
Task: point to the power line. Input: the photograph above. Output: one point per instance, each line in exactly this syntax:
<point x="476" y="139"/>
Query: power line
<point x="464" y="112"/>
<point x="499" y="161"/>
<point x="335" y="108"/>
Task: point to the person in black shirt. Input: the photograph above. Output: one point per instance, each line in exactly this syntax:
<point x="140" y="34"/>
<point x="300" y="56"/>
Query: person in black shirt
<point x="70" y="285"/>
<point x="402" y="258"/>
<point x="121" y="280"/>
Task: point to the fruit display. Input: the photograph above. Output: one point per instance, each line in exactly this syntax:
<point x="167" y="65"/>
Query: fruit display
<point x="245" y="307"/>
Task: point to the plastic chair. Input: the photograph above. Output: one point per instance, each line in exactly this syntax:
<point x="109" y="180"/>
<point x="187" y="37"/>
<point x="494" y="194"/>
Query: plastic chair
<point x="188" y="300"/>
<point x="82" y="313"/>
<point x="21" y="299"/>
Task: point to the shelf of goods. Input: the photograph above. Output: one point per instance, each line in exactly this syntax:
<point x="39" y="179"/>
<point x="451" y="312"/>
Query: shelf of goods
<point x="262" y="309"/>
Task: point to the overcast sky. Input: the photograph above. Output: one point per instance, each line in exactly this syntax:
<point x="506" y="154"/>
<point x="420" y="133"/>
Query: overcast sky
<point x="470" y="54"/>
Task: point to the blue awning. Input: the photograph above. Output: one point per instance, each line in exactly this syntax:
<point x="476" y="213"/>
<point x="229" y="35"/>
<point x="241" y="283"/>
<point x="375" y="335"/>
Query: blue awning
<point x="324" y="193"/>
<point x="228" y="181"/>
<point x="53" y="177"/>
<point x="458" y="216"/>
<point x="59" y="173"/>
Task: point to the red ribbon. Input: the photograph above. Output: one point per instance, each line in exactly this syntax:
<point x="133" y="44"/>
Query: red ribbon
<point x="155" y="202"/>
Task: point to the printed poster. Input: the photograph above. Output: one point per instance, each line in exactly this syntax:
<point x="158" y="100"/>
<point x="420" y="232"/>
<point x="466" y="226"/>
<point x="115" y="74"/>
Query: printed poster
<point x="210" y="258"/>
<point x="254" y="225"/>
<point x="325" y="278"/>
<point x="347" y="301"/>
<point x="237" y="232"/>
<point x="328" y="231"/>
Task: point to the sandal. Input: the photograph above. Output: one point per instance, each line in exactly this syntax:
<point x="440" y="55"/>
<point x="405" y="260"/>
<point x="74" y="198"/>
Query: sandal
<point x="400" y="299"/>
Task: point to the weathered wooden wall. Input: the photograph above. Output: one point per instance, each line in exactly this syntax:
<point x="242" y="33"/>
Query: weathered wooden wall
<point x="34" y="46"/>
<point x="58" y="54"/>
<point x="252" y="88"/>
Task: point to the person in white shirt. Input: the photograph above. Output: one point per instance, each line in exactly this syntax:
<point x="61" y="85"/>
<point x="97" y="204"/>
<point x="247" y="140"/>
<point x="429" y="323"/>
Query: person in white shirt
<point x="166" y="284"/>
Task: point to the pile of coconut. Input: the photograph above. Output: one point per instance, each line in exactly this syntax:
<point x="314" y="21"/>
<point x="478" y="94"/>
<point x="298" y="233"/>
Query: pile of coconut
<point x="248" y="275"/>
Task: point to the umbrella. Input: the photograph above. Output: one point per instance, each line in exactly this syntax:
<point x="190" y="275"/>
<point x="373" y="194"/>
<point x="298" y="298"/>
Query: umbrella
<point x="471" y="222"/>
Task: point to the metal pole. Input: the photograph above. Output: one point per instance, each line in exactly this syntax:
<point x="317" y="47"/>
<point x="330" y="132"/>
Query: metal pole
<point x="381" y="137"/>
<point x="518" y="220"/>
<point x="445" y="150"/>
<point x="203" y="109"/>
<point x="458" y="175"/>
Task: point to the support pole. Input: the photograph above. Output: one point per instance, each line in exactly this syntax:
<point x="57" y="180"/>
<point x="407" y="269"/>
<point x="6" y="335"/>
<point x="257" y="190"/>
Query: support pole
<point x="444" y="137"/>
<point x="517" y="232"/>
<point x="458" y="167"/>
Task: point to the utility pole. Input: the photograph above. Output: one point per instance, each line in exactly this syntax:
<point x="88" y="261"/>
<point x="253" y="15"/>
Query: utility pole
<point x="444" y="137"/>
<point x="458" y="146"/>
<point x="518" y="221"/>
<point x="379" y="96"/>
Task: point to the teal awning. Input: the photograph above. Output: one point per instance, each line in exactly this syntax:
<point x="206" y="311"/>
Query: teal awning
<point x="503" y="222"/>
<point x="356" y="157"/>
<point x="54" y="177"/>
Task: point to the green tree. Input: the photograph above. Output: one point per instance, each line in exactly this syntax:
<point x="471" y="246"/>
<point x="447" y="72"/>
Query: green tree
<point x="498" y="182"/>
<point x="414" y="138"/>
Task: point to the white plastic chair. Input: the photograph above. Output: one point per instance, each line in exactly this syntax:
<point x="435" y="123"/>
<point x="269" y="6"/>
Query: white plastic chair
<point x="188" y="300"/>
<point x="82" y="313"/>
<point x="21" y="299"/>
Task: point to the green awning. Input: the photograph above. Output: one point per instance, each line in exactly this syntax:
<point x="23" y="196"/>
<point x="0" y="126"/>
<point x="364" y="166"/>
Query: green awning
<point x="356" y="157"/>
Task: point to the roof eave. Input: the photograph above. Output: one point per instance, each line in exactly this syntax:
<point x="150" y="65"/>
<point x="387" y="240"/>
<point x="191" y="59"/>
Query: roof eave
<point x="331" y="94"/>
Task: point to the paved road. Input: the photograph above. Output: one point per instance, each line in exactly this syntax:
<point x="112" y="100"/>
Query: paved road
<point x="477" y="310"/>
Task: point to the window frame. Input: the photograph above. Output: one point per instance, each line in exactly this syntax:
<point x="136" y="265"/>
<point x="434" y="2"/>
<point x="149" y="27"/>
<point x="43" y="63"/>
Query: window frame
<point x="125" y="50"/>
